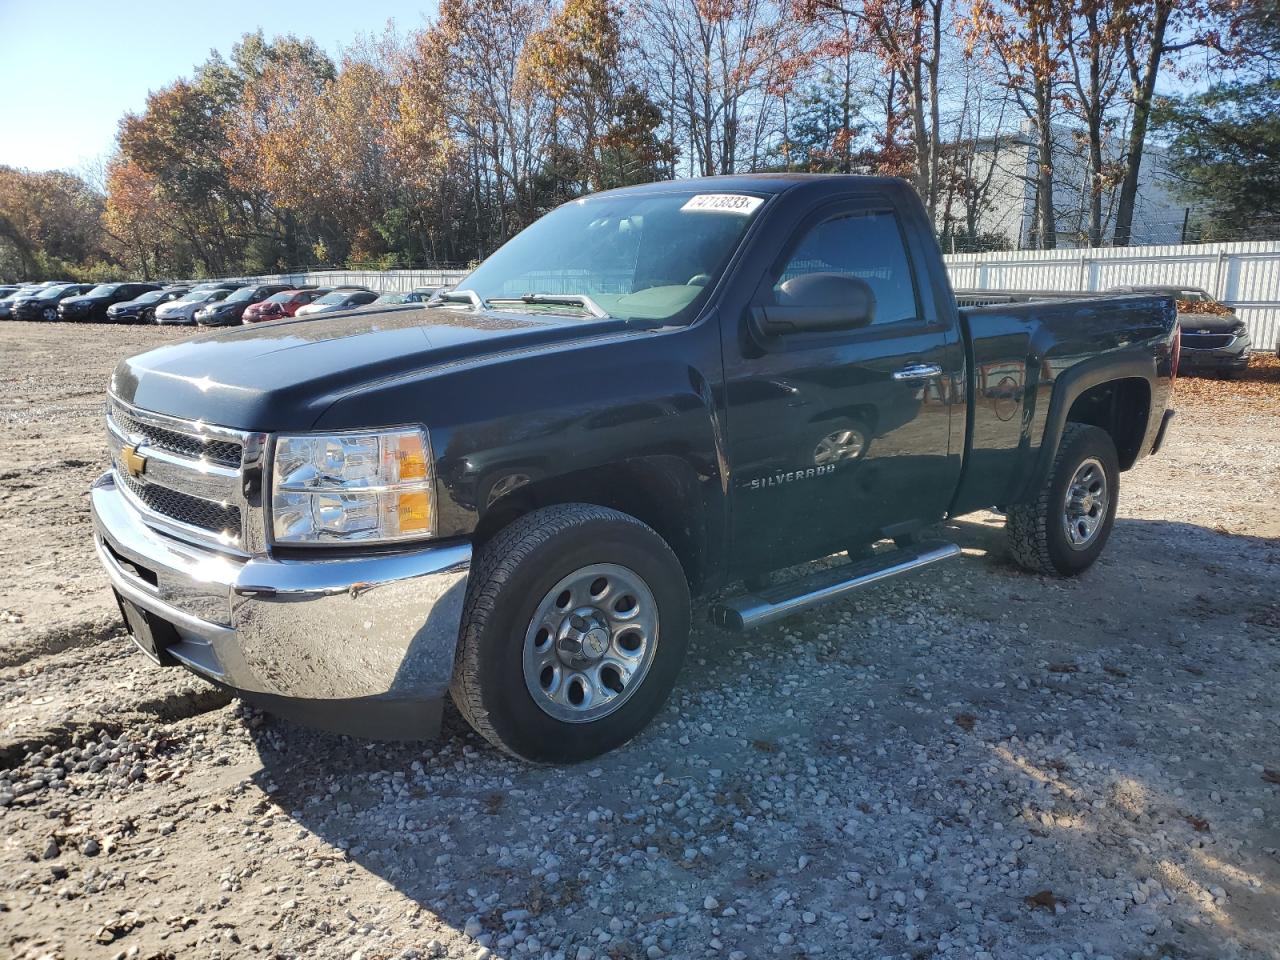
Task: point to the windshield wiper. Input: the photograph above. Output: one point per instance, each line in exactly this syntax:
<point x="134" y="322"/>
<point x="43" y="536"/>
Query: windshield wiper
<point x="458" y="296"/>
<point x="569" y="299"/>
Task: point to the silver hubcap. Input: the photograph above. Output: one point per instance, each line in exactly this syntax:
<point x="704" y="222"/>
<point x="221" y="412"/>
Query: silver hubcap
<point x="841" y="445"/>
<point x="1085" y="509"/>
<point x="590" y="643"/>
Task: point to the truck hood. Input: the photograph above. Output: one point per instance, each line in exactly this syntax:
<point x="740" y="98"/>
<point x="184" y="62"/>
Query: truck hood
<point x="284" y="375"/>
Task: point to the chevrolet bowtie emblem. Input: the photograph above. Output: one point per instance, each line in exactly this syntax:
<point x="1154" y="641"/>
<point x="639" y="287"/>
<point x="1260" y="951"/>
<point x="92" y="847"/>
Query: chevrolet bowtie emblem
<point x="134" y="462"/>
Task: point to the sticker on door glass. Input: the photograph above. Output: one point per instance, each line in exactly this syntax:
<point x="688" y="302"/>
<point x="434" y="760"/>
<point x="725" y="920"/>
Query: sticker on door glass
<point x="723" y="203"/>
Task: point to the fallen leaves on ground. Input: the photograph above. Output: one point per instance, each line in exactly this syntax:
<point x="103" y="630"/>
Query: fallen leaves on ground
<point x="1045" y="899"/>
<point x="1257" y="389"/>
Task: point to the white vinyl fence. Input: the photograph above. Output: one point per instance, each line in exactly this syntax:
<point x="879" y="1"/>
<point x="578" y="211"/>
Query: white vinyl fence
<point x="384" y="281"/>
<point x="1245" y="276"/>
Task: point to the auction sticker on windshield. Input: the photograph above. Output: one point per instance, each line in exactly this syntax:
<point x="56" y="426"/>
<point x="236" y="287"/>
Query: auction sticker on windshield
<point x="723" y="203"/>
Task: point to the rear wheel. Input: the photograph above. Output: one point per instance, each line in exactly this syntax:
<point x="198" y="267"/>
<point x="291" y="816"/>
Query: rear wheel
<point x="1064" y="529"/>
<point x="575" y="627"/>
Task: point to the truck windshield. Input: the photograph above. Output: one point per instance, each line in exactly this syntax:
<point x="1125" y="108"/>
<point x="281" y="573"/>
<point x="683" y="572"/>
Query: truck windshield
<point x="639" y="256"/>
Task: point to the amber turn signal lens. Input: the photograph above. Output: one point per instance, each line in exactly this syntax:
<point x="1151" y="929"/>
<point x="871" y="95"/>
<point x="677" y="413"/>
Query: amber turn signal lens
<point x="413" y="459"/>
<point x="414" y="510"/>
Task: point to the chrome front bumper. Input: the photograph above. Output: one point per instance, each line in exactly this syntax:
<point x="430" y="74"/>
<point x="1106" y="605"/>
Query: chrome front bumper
<point x="359" y="630"/>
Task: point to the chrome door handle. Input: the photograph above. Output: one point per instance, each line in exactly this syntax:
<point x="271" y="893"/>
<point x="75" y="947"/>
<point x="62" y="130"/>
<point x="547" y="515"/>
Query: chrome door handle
<point x="918" y="371"/>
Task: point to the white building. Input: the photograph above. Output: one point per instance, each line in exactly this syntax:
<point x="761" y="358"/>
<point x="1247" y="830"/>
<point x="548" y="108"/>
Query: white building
<point x="1006" y="165"/>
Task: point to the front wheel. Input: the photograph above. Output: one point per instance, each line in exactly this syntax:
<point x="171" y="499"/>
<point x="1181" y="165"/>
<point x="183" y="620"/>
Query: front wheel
<point x="50" y="314"/>
<point x="574" y="629"/>
<point x="1064" y="528"/>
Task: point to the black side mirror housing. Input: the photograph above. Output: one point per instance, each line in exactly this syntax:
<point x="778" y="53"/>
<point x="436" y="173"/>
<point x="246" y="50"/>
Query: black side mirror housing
<point x="779" y="320"/>
<point x="818" y="303"/>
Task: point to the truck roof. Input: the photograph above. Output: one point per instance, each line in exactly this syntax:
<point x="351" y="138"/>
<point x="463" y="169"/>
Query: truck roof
<point x="771" y="183"/>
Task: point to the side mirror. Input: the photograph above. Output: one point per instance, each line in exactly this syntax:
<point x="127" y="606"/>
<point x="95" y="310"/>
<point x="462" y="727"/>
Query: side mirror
<point x="802" y="319"/>
<point x="818" y="303"/>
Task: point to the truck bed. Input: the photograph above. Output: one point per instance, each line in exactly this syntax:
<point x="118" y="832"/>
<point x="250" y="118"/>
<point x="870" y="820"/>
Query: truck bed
<point x="1022" y="353"/>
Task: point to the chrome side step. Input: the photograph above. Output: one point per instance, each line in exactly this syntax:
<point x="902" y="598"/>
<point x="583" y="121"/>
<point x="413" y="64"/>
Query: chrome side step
<point x="767" y="606"/>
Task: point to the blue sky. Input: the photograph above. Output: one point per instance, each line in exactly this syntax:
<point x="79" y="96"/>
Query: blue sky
<point x="72" y="68"/>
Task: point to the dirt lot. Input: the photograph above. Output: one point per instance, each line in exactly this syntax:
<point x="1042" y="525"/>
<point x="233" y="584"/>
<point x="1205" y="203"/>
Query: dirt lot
<point x="973" y="763"/>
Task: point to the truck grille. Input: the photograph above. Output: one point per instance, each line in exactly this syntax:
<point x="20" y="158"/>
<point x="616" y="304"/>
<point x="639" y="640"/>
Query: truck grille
<point x="1206" y="341"/>
<point x="224" y="452"/>
<point x="223" y="521"/>
<point x="188" y="477"/>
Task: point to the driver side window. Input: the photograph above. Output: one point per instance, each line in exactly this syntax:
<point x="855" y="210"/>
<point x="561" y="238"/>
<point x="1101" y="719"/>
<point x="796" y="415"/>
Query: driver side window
<point x="867" y="245"/>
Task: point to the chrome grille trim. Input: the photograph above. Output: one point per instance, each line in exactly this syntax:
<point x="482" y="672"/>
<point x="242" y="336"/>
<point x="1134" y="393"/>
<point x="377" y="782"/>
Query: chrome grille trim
<point x="192" y="439"/>
<point x="184" y="491"/>
<point x="194" y="477"/>
<point x="204" y="515"/>
<point x="172" y="527"/>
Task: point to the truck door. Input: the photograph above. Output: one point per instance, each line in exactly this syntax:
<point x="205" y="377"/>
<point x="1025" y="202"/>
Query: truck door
<point x="838" y="438"/>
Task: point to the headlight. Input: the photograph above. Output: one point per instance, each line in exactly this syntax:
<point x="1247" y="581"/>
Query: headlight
<point x="366" y="487"/>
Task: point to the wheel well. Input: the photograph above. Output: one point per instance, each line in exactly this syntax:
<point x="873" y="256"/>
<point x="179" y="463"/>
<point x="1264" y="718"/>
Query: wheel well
<point x="660" y="491"/>
<point x="1120" y="407"/>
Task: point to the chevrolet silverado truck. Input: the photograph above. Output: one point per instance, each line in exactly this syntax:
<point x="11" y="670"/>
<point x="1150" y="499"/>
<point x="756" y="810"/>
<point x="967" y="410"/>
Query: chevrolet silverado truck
<point x="510" y="493"/>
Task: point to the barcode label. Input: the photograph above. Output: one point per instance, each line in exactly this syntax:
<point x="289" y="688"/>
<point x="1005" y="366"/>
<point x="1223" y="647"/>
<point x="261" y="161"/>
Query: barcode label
<point x="723" y="203"/>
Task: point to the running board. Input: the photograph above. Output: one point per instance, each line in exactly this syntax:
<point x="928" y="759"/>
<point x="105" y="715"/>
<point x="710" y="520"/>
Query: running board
<point x="767" y="606"/>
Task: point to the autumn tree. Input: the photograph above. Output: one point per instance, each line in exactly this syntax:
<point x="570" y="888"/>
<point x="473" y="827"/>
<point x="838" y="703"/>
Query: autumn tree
<point x="505" y="124"/>
<point x="598" y="111"/>
<point x="1026" y="38"/>
<point x="269" y="129"/>
<point x="714" y="62"/>
<point x="50" y="222"/>
<point x="178" y="142"/>
<point x="197" y="141"/>
<point x="140" y="220"/>
<point x="971" y="158"/>
<point x="909" y="39"/>
<point x="1152" y="33"/>
<point x="1094" y="55"/>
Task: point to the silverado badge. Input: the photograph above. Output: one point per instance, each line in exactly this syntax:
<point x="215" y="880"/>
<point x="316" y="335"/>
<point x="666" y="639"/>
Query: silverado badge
<point x="134" y="462"/>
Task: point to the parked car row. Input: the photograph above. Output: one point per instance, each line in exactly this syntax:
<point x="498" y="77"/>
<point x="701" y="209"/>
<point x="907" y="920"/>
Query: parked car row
<point x="216" y="303"/>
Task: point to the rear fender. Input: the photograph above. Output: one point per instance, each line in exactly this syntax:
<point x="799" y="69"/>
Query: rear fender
<point x="1136" y="363"/>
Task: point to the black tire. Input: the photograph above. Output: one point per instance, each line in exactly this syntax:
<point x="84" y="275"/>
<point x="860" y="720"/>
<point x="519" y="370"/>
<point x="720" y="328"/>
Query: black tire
<point x="1037" y="531"/>
<point x="510" y="577"/>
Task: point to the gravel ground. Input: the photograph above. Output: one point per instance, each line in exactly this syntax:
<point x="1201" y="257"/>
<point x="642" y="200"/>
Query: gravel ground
<point x="972" y="763"/>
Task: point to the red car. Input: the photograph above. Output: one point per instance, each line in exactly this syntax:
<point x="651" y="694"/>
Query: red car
<point x="282" y="304"/>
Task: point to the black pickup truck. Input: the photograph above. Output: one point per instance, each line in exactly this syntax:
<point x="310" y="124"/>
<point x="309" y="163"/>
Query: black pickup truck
<point x="511" y="492"/>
